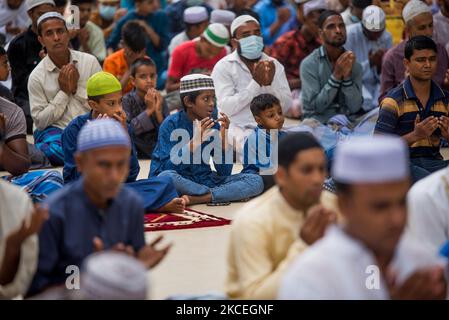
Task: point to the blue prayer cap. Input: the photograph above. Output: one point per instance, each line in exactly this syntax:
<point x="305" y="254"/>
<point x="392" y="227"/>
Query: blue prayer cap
<point x="102" y="133"/>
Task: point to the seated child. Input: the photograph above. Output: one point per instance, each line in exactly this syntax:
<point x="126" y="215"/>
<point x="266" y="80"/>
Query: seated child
<point x="257" y="156"/>
<point x="144" y="106"/>
<point x="104" y="94"/>
<point x="187" y="160"/>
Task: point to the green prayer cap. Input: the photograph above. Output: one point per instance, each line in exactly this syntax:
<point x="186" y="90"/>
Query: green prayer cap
<point x="102" y="83"/>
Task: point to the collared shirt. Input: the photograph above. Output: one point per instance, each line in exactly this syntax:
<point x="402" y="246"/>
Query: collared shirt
<point x="358" y="43"/>
<point x="15" y="206"/>
<point x="267" y="12"/>
<point x="175" y="134"/>
<point x="50" y="106"/>
<point x="264" y="240"/>
<point x="398" y="111"/>
<point x="338" y="267"/>
<point x="145" y="129"/>
<point x="256" y="160"/>
<point x="323" y="96"/>
<point x="180" y="38"/>
<point x="67" y="236"/>
<point x="393" y="69"/>
<point x="69" y="145"/>
<point x="441" y="29"/>
<point x="235" y="88"/>
<point x="428" y="217"/>
<point x="23" y="56"/>
<point x="96" y="41"/>
<point x="157" y="21"/>
<point x="290" y="49"/>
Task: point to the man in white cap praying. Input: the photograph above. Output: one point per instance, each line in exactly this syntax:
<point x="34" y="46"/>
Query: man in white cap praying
<point x="419" y="22"/>
<point x="96" y="212"/>
<point x="24" y="53"/>
<point x="57" y="86"/>
<point x="197" y="56"/>
<point x="243" y="75"/>
<point x="369" y="41"/>
<point x="368" y="257"/>
<point x="196" y="19"/>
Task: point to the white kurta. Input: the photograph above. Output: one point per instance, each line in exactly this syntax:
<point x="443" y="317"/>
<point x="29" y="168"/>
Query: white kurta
<point x="340" y="267"/>
<point x="15" y="205"/>
<point x="235" y="89"/>
<point x="428" y="207"/>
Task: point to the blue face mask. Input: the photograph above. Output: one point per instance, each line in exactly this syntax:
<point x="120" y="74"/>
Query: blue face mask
<point x="107" y="12"/>
<point x="251" y="47"/>
<point x="355" y="19"/>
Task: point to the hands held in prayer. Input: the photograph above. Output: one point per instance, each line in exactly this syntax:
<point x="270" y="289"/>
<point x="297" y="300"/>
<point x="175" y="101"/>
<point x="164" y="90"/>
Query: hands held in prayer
<point x="120" y="116"/>
<point x="30" y="225"/>
<point x="119" y="13"/>
<point x="2" y="124"/>
<point x="283" y="15"/>
<point x="443" y="124"/>
<point x="424" y="284"/>
<point x="83" y="35"/>
<point x="68" y="78"/>
<point x="343" y="65"/>
<point x="263" y="72"/>
<point x="148" y="255"/>
<point x="224" y="126"/>
<point x="375" y="59"/>
<point x="153" y="101"/>
<point x="318" y="218"/>
<point x="201" y="132"/>
<point x="12" y="30"/>
<point x="446" y="79"/>
<point x="424" y="129"/>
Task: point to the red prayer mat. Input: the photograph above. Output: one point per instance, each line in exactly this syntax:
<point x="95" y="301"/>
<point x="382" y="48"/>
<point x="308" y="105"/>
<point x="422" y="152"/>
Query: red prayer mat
<point x="188" y="220"/>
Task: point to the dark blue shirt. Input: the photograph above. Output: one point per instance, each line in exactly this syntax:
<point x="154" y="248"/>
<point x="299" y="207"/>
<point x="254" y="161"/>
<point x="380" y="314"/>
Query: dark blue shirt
<point x="67" y="236"/>
<point x="252" y="163"/>
<point x="197" y="171"/>
<point x="157" y="21"/>
<point x="69" y="146"/>
<point x="175" y="14"/>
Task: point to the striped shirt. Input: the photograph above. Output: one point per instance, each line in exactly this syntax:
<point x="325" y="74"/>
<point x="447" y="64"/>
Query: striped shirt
<point x="398" y="111"/>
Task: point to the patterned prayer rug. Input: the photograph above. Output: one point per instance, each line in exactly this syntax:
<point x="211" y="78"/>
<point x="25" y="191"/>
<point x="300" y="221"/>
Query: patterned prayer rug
<point x="188" y="220"/>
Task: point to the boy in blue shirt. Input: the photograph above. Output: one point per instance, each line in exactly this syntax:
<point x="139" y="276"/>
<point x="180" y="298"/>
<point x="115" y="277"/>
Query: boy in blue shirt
<point x="183" y="151"/>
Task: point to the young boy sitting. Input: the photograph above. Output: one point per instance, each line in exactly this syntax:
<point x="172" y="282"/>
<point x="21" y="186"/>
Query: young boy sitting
<point x="187" y="161"/>
<point x="4" y="73"/>
<point x="257" y="152"/>
<point x="104" y="94"/>
<point x="144" y="106"/>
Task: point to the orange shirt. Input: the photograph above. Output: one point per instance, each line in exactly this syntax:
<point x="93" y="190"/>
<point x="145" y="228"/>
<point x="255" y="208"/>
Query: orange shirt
<point x="116" y="64"/>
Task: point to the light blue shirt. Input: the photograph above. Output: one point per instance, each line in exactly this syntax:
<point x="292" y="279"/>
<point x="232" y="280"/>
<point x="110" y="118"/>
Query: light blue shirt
<point x="268" y="15"/>
<point x="358" y="43"/>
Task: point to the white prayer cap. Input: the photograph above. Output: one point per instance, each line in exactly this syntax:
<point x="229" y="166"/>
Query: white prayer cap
<point x="113" y="276"/>
<point x="101" y="133"/>
<point x="196" y="14"/>
<point x="222" y="16"/>
<point x="373" y="19"/>
<point x="240" y="20"/>
<point x="414" y="8"/>
<point x="374" y="159"/>
<point x="217" y="34"/>
<point x="48" y="15"/>
<point x="313" y="6"/>
<point x="34" y="3"/>
<point x="196" y="82"/>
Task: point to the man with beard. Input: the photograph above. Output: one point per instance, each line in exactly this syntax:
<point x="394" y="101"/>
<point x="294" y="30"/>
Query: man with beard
<point x="243" y="75"/>
<point x="272" y="229"/>
<point x="331" y="78"/>
<point x="441" y="24"/>
<point x="368" y="257"/>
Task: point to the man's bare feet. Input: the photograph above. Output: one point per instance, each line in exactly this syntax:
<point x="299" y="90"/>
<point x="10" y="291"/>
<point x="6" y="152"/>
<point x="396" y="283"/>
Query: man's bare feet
<point x="198" y="199"/>
<point x="177" y="205"/>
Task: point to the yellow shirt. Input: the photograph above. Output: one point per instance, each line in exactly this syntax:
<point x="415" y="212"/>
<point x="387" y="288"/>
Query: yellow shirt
<point x="263" y="242"/>
<point x="394" y="22"/>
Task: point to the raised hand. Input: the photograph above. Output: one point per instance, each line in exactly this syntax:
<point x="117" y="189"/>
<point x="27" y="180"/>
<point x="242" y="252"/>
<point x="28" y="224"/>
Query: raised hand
<point x="150" y="256"/>
<point x="317" y="220"/>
